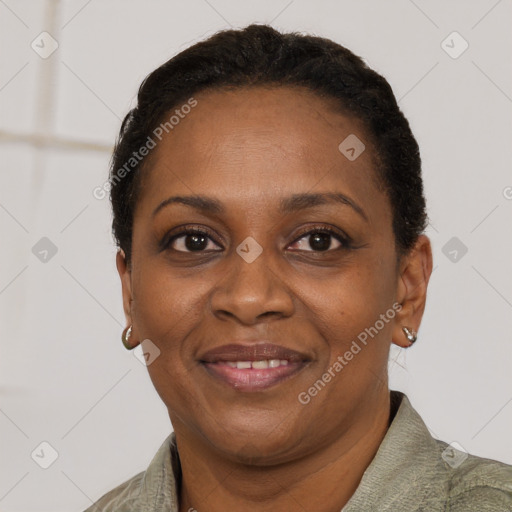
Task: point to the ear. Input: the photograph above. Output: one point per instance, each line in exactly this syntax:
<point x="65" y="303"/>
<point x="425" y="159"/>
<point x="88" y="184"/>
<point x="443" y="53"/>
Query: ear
<point x="414" y="274"/>
<point x="125" y="275"/>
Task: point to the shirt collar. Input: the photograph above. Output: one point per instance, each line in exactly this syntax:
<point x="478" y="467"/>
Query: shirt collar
<point x="161" y="482"/>
<point x="407" y="459"/>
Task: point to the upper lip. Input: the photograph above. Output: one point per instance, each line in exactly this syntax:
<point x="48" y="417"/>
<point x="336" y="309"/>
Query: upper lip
<point x="256" y="352"/>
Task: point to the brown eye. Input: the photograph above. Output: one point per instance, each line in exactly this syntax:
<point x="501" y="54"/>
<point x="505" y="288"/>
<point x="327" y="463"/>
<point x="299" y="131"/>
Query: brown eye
<point x="191" y="240"/>
<point x="321" y="240"/>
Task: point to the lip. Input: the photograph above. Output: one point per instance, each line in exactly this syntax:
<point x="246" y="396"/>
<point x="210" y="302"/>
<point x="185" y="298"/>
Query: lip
<point x="254" y="352"/>
<point x="252" y="379"/>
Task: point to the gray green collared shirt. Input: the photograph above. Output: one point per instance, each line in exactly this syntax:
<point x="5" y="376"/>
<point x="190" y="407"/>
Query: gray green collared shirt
<point x="411" y="472"/>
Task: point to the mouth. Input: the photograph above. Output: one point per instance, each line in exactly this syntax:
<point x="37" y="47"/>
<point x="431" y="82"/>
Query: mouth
<point x="253" y="368"/>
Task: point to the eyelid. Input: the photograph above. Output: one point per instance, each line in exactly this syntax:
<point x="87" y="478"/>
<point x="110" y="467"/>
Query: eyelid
<point x="330" y="230"/>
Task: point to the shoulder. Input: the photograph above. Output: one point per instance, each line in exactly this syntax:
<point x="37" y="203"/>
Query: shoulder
<point x="149" y="491"/>
<point x="121" y="498"/>
<point x="476" y="484"/>
<point x="435" y="476"/>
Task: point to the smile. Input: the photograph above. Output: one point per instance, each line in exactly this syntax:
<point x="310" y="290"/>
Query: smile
<point x="255" y="367"/>
<point x="246" y="376"/>
<point x="258" y="365"/>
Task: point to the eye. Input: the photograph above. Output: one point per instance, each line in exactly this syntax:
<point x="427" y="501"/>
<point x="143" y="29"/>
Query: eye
<point x="191" y="240"/>
<point x="200" y="240"/>
<point x="321" y="240"/>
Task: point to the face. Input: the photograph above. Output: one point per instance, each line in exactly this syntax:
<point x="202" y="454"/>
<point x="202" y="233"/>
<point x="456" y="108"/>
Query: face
<point x="288" y="260"/>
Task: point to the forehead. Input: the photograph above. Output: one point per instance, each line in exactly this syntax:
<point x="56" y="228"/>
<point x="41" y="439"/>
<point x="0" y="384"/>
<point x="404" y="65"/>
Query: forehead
<point x="252" y="144"/>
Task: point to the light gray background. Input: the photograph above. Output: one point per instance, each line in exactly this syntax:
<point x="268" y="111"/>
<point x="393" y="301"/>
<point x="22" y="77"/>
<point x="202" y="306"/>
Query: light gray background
<point x="65" y="377"/>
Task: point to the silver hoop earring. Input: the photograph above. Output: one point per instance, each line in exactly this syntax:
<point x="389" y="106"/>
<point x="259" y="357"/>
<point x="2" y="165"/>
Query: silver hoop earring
<point x="410" y="334"/>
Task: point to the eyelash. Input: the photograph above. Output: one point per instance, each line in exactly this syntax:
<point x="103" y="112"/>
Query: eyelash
<point x="343" y="239"/>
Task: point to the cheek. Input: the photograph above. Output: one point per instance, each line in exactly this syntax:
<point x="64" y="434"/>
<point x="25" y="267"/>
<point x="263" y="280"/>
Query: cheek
<point x="168" y="311"/>
<point x="350" y="300"/>
<point x="353" y="313"/>
<point x="165" y="306"/>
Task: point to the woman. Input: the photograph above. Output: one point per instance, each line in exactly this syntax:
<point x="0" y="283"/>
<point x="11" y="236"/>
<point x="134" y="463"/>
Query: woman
<point x="269" y="212"/>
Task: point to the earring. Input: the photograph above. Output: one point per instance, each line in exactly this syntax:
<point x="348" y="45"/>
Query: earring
<point x="126" y="337"/>
<point x="410" y="334"/>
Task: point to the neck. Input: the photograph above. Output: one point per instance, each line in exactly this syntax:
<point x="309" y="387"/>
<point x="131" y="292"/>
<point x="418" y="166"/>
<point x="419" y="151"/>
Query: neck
<point x="323" y="480"/>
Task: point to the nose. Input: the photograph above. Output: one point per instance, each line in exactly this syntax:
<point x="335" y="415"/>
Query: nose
<point x="251" y="292"/>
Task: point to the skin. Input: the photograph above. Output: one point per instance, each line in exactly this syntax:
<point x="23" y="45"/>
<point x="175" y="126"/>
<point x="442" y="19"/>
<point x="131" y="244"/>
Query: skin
<point x="265" y="450"/>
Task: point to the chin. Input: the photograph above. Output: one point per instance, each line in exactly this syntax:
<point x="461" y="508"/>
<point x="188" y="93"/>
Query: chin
<point x="257" y="452"/>
<point x="255" y="445"/>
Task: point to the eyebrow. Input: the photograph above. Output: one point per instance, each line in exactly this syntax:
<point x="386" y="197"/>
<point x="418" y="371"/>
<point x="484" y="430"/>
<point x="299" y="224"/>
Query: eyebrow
<point x="287" y="205"/>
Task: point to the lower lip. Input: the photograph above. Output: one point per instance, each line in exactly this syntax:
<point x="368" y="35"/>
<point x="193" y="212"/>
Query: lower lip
<point x="252" y="379"/>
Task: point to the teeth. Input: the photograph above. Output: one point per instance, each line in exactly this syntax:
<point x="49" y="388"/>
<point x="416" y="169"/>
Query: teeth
<point x="257" y="365"/>
<point x="260" y="365"/>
